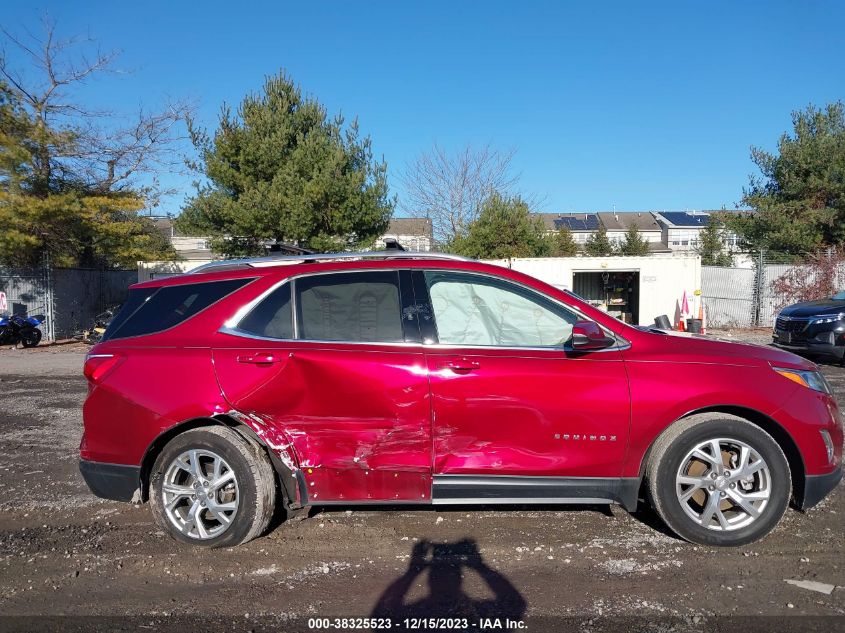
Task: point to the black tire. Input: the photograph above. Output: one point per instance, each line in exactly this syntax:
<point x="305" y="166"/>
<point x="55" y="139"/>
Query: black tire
<point x="30" y="337"/>
<point x="255" y="479"/>
<point x="671" y="449"/>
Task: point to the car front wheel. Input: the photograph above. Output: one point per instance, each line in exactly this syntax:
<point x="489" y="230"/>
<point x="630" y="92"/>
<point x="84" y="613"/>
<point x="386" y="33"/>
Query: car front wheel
<point x="716" y="479"/>
<point x="213" y="488"/>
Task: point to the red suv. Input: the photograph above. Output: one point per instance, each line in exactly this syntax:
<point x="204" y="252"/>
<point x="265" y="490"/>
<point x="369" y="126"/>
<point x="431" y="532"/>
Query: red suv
<point x="388" y="378"/>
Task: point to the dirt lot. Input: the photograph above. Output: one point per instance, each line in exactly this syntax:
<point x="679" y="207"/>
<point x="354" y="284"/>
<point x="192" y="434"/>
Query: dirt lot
<point x="64" y="552"/>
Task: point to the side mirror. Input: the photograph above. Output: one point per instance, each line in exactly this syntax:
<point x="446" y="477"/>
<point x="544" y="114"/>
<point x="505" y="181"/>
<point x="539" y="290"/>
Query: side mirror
<point x="587" y="335"/>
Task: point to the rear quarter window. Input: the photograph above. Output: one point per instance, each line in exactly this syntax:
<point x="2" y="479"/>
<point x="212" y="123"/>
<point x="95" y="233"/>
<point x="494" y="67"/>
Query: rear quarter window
<point x="151" y="310"/>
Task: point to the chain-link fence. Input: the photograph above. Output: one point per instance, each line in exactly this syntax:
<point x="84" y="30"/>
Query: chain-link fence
<point x="752" y="292"/>
<point x="69" y="298"/>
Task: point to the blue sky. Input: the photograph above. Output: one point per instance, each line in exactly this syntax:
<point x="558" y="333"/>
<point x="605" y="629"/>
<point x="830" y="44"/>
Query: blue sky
<point x="641" y="105"/>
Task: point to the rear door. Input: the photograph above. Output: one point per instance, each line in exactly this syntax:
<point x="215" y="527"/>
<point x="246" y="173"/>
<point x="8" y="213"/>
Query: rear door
<point x="334" y="361"/>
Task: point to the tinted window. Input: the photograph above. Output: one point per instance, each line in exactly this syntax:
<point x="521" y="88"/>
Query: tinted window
<point x="355" y="307"/>
<point x="271" y="317"/>
<point x="133" y="302"/>
<point x="152" y="310"/>
<point x="474" y="310"/>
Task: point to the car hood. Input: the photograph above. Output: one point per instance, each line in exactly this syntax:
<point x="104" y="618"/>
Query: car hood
<point x="814" y="308"/>
<point x="706" y="349"/>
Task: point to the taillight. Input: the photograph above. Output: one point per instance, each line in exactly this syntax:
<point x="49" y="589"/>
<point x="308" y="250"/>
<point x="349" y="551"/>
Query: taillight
<point x="98" y="366"/>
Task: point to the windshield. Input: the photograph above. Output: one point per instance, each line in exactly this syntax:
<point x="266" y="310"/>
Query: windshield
<point x="839" y="296"/>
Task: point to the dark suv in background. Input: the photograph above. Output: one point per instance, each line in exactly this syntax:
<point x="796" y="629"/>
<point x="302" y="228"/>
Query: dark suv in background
<point x="813" y="327"/>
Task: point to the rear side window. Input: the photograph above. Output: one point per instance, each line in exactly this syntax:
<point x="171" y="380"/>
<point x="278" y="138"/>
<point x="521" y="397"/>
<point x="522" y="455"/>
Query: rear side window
<point x="356" y="307"/>
<point x="272" y="317"/>
<point x="150" y="310"/>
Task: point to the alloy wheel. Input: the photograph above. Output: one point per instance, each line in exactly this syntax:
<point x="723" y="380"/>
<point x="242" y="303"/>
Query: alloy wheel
<point x="200" y="494"/>
<point x="723" y="484"/>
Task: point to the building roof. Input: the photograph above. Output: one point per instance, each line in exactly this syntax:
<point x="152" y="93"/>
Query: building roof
<point x="168" y="228"/>
<point x="573" y="221"/>
<point x="410" y="226"/>
<point x="684" y="219"/>
<point x="658" y="247"/>
<point x="623" y="220"/>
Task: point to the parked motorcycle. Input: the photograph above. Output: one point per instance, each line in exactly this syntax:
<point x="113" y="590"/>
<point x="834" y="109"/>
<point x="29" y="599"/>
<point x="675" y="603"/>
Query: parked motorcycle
<point x="101" y="322"/>
<point x="20" y="328"/>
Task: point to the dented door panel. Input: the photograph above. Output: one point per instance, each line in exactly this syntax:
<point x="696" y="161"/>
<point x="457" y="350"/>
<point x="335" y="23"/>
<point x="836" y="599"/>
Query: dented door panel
<point x="358" y="416"/>
<point x="528" y="412"/>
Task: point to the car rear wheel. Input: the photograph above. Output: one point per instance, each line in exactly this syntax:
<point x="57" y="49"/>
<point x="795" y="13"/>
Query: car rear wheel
<point x="213" y="488"/>
<point x="716" y="479"/>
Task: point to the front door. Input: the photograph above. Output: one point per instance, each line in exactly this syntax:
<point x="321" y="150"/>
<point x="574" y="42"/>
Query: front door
<point x="517" y="414"/>
<point x="344" y="382"/>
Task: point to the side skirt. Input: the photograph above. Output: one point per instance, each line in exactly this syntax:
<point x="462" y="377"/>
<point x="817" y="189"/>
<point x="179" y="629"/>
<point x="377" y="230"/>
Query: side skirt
<point x="495" y="489"/>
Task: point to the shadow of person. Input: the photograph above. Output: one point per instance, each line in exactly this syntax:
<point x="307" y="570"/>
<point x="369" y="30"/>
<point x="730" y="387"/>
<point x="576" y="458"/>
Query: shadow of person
<point x="446" y="564"/>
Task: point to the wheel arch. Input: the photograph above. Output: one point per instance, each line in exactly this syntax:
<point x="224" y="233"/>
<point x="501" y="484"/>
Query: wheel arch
<point x="767" y="424"/>
<point x="288" y="477"/>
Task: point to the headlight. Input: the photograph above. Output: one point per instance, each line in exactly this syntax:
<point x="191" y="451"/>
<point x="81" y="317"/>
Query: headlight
<point x="827" y="319"/>
<point x="812" y="379"/>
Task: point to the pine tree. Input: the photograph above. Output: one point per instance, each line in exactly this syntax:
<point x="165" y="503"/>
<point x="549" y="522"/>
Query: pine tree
<point x="281" y="170"/>
<point x="799" y="202"/>
<point x="48" y="210"/>
<point x="598" y="244"/>
<point x="562" y="244"/>
<point x="633" y="244"/>
<point x="711" y="246"/>
<point x="505" y="228"/>
<point x="72" y="178"/>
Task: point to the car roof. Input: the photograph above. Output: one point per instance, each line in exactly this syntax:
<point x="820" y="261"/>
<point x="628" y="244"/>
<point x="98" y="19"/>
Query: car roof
<point x="289" y="265"/>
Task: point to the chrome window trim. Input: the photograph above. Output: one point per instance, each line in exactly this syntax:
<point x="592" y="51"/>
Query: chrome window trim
<point x="230" y="326"/>
<point x="233" y="321"/>
<point x="431" y="346"/>
<point x="611" y="348"/>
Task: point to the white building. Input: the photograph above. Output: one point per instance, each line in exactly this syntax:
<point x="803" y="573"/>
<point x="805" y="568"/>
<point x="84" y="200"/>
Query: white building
<point x="617" y="224"/>
<point x="414" y="234"/>
<point x="635" y="289"/>
<point x="682" y="229"/>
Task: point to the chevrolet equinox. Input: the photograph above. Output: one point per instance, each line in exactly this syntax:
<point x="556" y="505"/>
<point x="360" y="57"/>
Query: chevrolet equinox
<point x="407" y="378"/>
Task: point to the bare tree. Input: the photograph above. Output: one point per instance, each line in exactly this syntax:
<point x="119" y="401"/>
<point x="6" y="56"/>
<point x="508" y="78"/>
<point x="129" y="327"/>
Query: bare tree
<point x="451" y="188"/>
<point x="72" y="143"/>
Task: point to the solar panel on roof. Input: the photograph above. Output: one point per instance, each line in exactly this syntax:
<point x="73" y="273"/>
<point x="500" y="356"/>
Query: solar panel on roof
<point x="588" y="223"/>
<point x="680" y="218"/>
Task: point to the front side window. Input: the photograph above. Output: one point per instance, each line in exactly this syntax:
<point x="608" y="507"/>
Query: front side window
<point x="354" y="307"/>
<point x="475" y="310"/>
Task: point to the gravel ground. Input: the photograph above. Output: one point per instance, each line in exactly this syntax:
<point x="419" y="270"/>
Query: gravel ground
<point x="64" y="552"/>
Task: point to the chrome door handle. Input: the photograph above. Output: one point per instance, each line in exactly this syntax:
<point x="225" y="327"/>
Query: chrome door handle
<point x="461" y="365"/>
<point x="261" y="359"/>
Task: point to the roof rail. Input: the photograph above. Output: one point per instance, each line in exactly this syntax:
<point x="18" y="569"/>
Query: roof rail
<point x="288" y="260"/>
